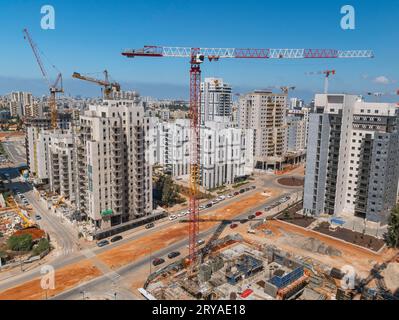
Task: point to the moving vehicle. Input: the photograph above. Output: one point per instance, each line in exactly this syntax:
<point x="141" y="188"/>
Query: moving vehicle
<point x="158" y="261"/>
<point x="173" y="254"/>
<point x="150" y="225"/>
<point x="102" y="243"/>
<point x="116" y="238"/>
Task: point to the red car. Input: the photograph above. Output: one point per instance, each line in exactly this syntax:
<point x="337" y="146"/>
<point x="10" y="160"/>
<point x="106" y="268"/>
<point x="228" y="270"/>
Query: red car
<point x="259" y="213"/>
<point x="233" y="225"/>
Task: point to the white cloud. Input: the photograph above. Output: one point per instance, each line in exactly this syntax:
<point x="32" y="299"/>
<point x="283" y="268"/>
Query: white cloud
<point x="382" y="80"/>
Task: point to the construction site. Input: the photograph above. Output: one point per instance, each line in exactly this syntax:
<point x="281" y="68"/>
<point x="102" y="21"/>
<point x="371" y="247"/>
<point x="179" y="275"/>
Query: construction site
<point x="275" y="260"/>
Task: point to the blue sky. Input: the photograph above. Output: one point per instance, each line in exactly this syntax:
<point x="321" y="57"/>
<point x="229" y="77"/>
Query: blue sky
<point x="90" y="36"/>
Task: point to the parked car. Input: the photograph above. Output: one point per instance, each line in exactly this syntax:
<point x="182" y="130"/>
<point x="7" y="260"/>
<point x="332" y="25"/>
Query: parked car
<point x="229" y="196"/>
<point x="233" y="225"/>
<point x="158" y="261"/>
<point x="242" y="190"/>
<point x="150" y="225"/>
<point x="251" y="217"/>
<point x="200" y="242"/>
<point x="173" y="254"/>
<point x="102" y="243"/>
<point x="244" y="221"/>
<point x="253" y="187"/>
<point x="37" y="217"/>
<point x="172" y="217"/>
<point x="236" y="193"/>
<point x="116" y="238"/>
<point x="259" y="213"/>
<point x="247" y="189"/>
<point x="208" y="205"/>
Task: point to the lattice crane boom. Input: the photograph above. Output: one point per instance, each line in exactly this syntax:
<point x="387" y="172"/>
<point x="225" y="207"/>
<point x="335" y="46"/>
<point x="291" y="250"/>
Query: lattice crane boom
<point x="56" y="87"/>
<point x="197" y="56"/>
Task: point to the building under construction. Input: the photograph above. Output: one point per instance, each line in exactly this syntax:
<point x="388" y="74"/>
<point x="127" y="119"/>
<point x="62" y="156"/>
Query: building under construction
<point x="237" y="270"/>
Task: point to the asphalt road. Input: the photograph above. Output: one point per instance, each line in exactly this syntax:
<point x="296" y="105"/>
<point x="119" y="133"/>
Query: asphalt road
<point x="101" y="285"/>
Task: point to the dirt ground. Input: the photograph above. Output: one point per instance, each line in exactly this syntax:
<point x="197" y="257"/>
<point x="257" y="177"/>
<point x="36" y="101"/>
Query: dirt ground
<point x="122" y="255"/>
<point x="291" y="182"/>
<point x="65" y="278"/>
<point x="391" y="276"/>
<point x="352" y="236"/>
<point x="294" y="239"/>
<point x="72" y="275"/>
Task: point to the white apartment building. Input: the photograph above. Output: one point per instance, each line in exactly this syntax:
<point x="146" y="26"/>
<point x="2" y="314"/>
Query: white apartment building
<point x="18" y="101"/>
<point x="113" y="163"/>
<point x="216" y="99"/>
<point x="226" y="153"/>
<point x="264" y="112"/>
<point x="297" y="125"/>
<point x="37" y="143"/>
<point x="61" y="165"/>
<point x="352" y="158"/>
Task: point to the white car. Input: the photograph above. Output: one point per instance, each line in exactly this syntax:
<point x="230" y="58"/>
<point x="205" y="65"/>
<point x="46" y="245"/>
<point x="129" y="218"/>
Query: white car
<point x="172" y="217"/>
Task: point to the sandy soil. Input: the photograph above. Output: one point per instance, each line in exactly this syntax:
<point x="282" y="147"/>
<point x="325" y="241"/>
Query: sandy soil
<point x="65" y="278"/>
<point x="391" y="276"/>
<point x="288" y="238"/>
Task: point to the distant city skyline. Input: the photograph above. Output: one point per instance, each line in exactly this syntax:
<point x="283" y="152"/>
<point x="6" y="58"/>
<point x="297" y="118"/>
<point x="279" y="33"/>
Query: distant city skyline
<point x="105" y="29"/>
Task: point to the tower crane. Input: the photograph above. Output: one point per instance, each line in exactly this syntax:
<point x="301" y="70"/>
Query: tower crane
<point x="109" y="87"/>
<point x="327" y="74"/>
<point x="56" y="87"/>
<point x="196" y="57"/>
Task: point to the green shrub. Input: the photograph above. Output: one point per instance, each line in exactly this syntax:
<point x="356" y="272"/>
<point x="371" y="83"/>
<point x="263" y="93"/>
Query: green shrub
<point x="41" y="247"/>
<point x="20" y="243"/>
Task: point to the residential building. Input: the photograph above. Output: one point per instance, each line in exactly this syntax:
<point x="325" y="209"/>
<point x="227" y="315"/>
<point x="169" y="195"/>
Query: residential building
<point x="113" y="163"/>
<point x="61" y="165"/>
<point x="36" y="144"/>
<point x="18" y="101"/>
<point x="352" y="152"/>
<point x="264" y="112"/>
<point x="226" y="153"/>
<point x="216" y="99"/>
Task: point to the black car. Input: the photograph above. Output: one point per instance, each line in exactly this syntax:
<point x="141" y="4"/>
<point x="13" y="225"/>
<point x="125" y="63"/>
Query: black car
<point x="208" y="205"/>
<point x="243" y="221"/>
<point x="102" y="243"/>
<point x="158" y="261"/>
<point x="116" y="238"/>
<point x="253" y="187"/>
<point x="250" y="217"/>
<point x="242" y="190"/>
<point x="150" y="225"/>
<point x="173" y="254"/>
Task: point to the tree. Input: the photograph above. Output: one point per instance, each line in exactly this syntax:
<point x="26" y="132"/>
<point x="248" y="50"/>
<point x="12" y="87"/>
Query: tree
<point x="41" y="247"/>
<point x="20" y="243"/>
<point x="166" y="192"/>
<point x="392" y="236"/>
